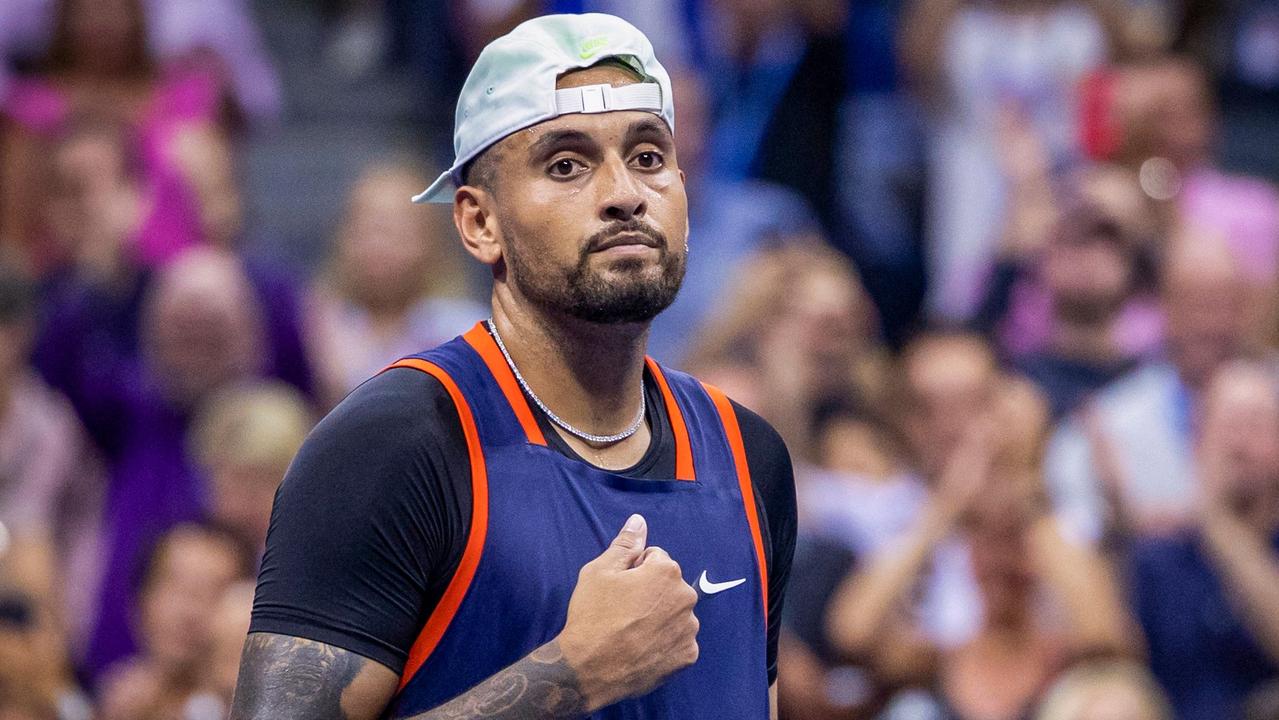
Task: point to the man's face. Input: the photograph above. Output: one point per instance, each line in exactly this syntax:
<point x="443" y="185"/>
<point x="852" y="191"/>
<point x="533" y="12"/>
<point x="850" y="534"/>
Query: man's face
<point x="591" y="212"/>
<point x="1089" y="276"/>
<point x="1205" y="316"/>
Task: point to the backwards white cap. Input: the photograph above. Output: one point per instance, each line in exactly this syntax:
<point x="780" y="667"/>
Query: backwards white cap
<point x="512" y="85"/>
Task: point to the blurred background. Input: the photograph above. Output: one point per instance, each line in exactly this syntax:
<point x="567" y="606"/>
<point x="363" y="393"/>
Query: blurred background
<point x="1002" y="272"/>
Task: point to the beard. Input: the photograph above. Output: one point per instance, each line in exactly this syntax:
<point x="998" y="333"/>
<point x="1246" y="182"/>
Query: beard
<point x="582" y="292"/>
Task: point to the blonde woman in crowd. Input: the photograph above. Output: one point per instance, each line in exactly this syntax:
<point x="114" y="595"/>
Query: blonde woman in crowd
<point x="795" y="329"/>
<point x="244" y="440"/>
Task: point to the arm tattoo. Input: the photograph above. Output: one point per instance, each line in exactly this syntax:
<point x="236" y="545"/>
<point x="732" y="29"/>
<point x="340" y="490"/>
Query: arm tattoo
<point x="542" y="686"/>
<point x="290" y="677"/>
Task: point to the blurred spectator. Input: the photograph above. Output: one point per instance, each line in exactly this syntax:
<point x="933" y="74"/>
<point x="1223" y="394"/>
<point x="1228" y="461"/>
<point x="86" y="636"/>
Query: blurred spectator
<point x="201" y="331"/>
<point x="1105" y="691"/>
<point x="395" y="285"/>
<point x="1019" y="307"/>
<point x="1126" y="467"/>
<point x="93" y="208"/>
<point x="98" y="66"/>
<point x="973" y="62"/>
<point x="35" y="668"/>
<point x="229" y="626"/>
<point x="1167" y="122"/>
<point x="225" y="33"/>
<point x="182" y="584"/>
<point x="244" y="439"/>
<point x="880" y="166"/>
<point x="1087" y="274"/>
<point x="729" y="220"/>
<point x="795" y="329"/>
<point x="778" y="70"/>
<point x="992" y="489"/>
<point x="89" y="345"/>
<point x="50" y="483"/>
<point x="1208" y="599"/>
<point x="814" y="683"/>
<point x="950" y="378"/>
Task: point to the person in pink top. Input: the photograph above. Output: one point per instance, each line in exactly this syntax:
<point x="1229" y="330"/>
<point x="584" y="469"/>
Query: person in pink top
<point x="98" y="66"/>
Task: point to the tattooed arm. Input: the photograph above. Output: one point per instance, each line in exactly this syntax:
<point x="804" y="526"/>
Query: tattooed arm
<point x="290" y="677"/>
<point x="285" y="677"/>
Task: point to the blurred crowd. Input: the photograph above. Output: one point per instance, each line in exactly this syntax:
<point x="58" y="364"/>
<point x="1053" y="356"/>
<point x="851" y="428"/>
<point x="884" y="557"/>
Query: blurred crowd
<point x="1003" y="273"/>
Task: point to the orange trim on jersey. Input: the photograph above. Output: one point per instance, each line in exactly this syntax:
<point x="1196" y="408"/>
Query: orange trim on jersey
<point x="449" y="603"/>
<point x="683" y="447"/>
<point x="478" y="338"/>
<point x="734" y="432"/>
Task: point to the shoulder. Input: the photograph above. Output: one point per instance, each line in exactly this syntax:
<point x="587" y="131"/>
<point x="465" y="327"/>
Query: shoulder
<point x="395" y="398"/>
<point x="759" y="437"/>
<point x="386" y="431"/>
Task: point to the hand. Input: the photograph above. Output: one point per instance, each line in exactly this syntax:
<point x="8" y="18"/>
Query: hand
<point x="967" y="471"/>
<point x="630" y="620"/>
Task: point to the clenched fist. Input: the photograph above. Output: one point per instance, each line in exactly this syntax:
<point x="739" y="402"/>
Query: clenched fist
<point x="630" y="620"/>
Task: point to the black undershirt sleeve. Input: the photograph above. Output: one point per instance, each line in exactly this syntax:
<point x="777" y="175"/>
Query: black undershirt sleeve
<point x="773" y="480"/>
<point x="370" y="521"/>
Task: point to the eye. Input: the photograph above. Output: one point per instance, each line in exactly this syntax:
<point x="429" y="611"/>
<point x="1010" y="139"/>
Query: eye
<point x="649" y="160"/>
<point x="563" y="168"/>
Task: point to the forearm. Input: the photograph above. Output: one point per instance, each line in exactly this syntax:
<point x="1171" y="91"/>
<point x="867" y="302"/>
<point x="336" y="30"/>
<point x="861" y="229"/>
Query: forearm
<point x="1084" y="584"/>
<point x="1250" y="574"/>
<point x="865" y="601"/>
<point x="284" y="677"/>
<point x="541" y="686"/>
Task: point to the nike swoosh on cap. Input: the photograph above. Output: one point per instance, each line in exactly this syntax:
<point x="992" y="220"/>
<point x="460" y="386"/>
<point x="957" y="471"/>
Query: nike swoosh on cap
<point x="711" y="588"/>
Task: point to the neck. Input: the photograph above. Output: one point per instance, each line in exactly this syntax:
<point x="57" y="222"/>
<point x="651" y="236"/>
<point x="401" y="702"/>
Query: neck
<point x="588" y="374"/>
<point x="1087" y="342"/>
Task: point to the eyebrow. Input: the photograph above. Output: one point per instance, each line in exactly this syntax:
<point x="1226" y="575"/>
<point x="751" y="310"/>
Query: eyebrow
<point x="555" y="140"/>
<point x="649" y="130"/>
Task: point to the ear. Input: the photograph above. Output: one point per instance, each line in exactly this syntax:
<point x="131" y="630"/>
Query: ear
<point x="476" y="220"/>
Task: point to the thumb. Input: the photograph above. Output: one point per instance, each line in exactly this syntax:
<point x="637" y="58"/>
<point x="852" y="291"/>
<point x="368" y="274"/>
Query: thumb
<point x="626" y="548"/>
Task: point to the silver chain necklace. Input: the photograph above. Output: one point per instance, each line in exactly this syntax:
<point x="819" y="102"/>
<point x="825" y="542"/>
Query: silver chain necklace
<point x="588" y="437"/>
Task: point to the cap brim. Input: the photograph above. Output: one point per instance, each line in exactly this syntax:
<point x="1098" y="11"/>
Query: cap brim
<point x="441" y="191"/>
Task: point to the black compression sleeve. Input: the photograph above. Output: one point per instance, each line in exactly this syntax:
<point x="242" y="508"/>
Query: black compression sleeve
<point x="370" y="521"/>
<point x="774" y="484"/>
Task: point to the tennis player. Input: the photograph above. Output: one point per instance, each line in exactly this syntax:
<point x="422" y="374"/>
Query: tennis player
<point x="534" y="520"/>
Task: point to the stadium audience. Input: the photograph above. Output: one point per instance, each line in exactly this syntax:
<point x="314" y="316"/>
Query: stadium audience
<point x="1084" y="206"/>
<point x="974" y="63"/>
<point x="181" y="585"/>
<point x="1089" y="275"/>
<point x="1147" y="421"/>
<point x="98" y="65"/>
<point x="51" y="481"/>
<point x="990" y="494"/>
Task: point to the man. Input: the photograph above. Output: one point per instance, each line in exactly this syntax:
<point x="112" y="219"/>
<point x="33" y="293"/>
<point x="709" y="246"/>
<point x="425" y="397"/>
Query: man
<point x="446" y="544"/>
<point x="1089" y="270"/>
<point x="1208" y="598"/>
<point x="1124" y="467"/>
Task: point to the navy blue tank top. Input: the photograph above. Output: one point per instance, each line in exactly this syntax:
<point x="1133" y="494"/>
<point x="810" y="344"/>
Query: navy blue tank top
<point x="539" y="516"/>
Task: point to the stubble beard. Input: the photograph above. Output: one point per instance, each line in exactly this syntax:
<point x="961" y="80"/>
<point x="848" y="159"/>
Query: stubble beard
<point x="582" y="291"/>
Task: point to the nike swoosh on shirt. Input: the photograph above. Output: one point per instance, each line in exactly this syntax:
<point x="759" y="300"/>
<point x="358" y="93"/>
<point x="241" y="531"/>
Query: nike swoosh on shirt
<point x="710" y="588"/>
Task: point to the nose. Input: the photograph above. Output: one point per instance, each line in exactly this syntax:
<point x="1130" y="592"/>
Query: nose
<point x="622" y="195"/>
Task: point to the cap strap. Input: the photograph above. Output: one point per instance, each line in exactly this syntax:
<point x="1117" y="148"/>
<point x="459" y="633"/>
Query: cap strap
<point x="606" y="98"/>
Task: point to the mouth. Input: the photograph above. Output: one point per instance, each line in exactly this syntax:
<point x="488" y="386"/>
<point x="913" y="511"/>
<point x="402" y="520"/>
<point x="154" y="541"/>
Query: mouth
<point x="633" y="240"/>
